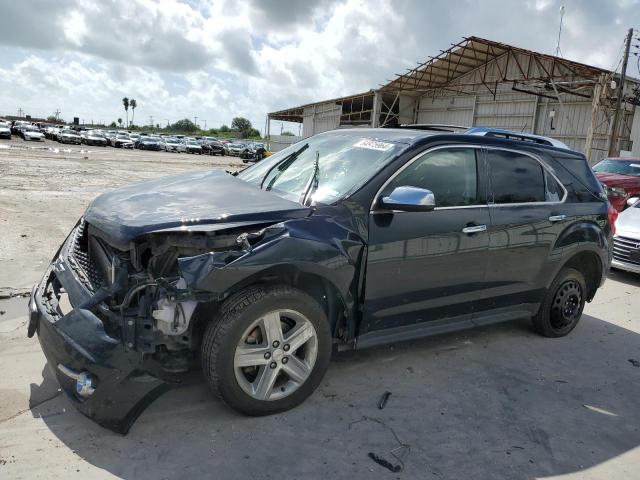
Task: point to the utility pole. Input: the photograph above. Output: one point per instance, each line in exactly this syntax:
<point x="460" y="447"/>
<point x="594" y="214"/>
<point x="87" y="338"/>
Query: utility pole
<point x="151" y="120"/>
<point x="20" y="112"/>
<point x="167" y="122"/>
<point x="57" y="113"/>
<point x="205" y="124"/>
<point x="195" y="121"/>
<point x="613" y="139"/>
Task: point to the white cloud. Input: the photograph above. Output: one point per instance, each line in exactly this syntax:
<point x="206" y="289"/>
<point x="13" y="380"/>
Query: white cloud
<point x="218" y="59"/>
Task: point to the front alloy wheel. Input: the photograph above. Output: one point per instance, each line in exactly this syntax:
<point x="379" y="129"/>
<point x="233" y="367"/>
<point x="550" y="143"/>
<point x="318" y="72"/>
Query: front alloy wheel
<point x="276" y="355"/>
<point x="267" y="350"/>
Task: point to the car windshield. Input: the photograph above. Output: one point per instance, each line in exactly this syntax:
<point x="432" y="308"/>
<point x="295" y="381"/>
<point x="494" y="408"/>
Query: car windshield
<point x="147" y="139"/>
<point x="621" y="167"/>
<point x="346" y="161"/>
<point x="69" y="132"/>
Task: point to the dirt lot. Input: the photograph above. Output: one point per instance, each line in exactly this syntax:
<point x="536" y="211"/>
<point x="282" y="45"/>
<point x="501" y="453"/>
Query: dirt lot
<point x="496" y="402"/>
<point x="45" y="188"/>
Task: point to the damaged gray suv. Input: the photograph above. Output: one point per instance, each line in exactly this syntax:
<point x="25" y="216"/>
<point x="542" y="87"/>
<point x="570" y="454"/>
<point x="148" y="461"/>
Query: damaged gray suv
<point x="350" y="238"/>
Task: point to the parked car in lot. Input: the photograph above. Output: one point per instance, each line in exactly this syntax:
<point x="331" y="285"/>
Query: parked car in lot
<point x="193" y="146"/>
<point x="626" y="242"/>
<point x="253" y="153"/>
<point x="66" y="135"/>
<point x="621" y="178"/>
<point x="212" y="147"/>
<point x="17" y="125"/>
<point x="148" y="143"/>
<point x="170" y="144"/>
<point x="31" y="133"/>
<point x="121" y="140"/>
<point x="235" y="149"/>
<point x="5" y="130"/>
<point x="94" y="138"/>
<point x="353" y="237"/>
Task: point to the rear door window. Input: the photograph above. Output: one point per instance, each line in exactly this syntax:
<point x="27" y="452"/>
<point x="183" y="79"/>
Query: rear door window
<point x="518" y="178"/>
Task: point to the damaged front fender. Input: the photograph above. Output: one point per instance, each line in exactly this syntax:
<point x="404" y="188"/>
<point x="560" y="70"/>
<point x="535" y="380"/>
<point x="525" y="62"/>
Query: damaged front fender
<point x="316" y="245"/>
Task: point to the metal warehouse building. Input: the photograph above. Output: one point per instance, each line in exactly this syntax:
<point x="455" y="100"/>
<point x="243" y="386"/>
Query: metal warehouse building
<point x="480" y="82"/>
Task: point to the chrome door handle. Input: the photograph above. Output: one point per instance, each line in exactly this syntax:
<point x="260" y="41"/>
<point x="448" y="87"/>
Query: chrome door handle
<point x="474" y="229"/>
<point x="557" y="218"/>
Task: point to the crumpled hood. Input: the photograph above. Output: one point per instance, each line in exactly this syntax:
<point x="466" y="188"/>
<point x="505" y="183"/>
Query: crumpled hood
<point x="185" y="201"/>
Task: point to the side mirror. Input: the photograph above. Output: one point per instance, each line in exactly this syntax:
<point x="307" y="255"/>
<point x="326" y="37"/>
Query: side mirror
<point x="632" y="201"/>
<point x="409" y="199"/>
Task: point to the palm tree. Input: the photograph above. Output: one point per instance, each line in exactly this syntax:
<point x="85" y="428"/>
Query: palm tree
<point x="133" y="104"/>
<point x="125" y="102"/>
<point x="120" y="122"/>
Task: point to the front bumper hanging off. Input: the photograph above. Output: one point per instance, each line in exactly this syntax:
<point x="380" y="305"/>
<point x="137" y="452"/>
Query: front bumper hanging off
<point x="107" y="381"/>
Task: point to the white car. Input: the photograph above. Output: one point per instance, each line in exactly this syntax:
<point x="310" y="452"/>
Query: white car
<point x="5" y="130"/>
<point x="121" y="140"/>
<point x="172" y="145"/>
<point x="31" y="133"/>
<point x="69" y="136"/>
<point x="626" y="242"/>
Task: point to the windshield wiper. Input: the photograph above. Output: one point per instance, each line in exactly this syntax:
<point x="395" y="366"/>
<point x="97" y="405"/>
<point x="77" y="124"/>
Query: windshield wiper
<point x="282" y="165"/>
<point x="313" y="183"/>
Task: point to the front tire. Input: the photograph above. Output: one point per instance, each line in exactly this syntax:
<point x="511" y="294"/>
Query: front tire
<point x="563" y="304"/>
<point x="268" y="349"/>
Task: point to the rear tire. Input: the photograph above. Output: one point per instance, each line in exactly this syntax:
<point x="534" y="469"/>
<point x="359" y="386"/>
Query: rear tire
<point x="244" y="349"/>
<point x="563" y="304"/>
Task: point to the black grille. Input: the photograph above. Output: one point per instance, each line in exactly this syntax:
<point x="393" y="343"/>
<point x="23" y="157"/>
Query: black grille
<point x="81" y="260"/>
<point x="624" y="247"/>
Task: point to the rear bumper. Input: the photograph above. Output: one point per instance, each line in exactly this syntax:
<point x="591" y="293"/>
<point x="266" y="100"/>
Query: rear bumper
<point x="629" y="267"/>
<point x="76" y="343"/>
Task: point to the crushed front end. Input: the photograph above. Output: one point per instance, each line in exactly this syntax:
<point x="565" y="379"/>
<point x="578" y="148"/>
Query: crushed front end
<point x="114" y="324"/>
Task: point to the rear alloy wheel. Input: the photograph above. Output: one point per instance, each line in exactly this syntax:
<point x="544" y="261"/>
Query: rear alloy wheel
<point x="563" y="304"/>
<point x="268" y="350"/>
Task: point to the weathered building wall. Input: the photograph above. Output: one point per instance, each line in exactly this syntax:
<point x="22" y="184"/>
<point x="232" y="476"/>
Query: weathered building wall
<point x="512" y="110"/>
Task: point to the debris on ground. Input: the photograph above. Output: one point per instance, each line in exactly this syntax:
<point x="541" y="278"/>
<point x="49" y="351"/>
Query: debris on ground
<point x="2" y="312"/>
<point x="383" y="400"/>
<point x="384" y="463"/>
<point x="9" y="292"/>
<point x="399" y="453"/>
<point x="634" y="362"/>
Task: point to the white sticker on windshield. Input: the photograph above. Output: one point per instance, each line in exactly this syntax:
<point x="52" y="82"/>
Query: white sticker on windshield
<point x="373" y="145"/>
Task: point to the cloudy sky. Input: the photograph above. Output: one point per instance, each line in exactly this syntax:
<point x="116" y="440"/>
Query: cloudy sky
<point x="218" y="59"/>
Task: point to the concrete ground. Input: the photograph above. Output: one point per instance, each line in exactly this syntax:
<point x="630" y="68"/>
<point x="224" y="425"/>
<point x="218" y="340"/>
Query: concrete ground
<point x="495" y="402"/>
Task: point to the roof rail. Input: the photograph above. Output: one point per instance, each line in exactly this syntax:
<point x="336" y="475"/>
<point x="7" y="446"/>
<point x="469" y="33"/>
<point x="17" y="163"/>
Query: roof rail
<point x="520" y="136"/>
<point x="438" y="127"/>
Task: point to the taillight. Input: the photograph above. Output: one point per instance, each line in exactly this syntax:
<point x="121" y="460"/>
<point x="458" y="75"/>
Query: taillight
<point x="612" y="215"/>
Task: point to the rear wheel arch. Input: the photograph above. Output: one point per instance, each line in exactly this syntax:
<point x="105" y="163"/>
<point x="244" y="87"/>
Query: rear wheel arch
<point x="590" y="265"/>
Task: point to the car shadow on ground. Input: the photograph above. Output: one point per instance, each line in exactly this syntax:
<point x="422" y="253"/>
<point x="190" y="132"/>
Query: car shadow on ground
<point x="629" y="278"/>
<point x="496" y="402"/>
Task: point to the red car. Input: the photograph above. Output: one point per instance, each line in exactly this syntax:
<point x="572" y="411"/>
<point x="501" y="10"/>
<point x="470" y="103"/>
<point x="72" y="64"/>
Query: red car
<point x="621" y="178"/>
